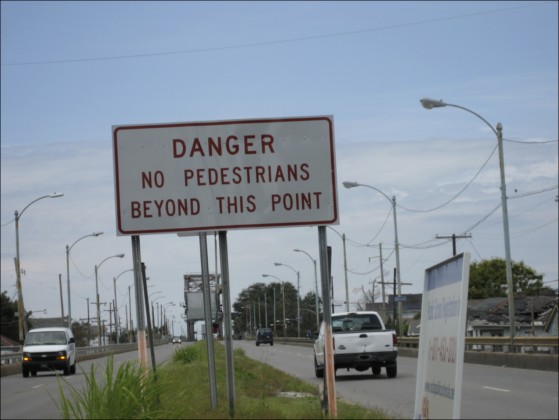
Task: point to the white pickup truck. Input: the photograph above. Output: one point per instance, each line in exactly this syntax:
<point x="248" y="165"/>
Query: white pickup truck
<point x="361" y="341"/>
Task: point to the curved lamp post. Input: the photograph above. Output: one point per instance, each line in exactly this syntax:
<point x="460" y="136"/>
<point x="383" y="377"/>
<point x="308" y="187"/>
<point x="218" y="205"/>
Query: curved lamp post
<point x="396" y="246"/>
<point x="97" y="292"/>
<point x="117" y="320"/>
<point x="345" y="269"/>
<point x="498" y="131"/>
<point x="68" y="249"/>
<point x="283" y="295"/>
<point x="315" y="286"/>
<point x="164" y="311"/>
<point x="298" y="297"/>
<point x="20" y="306"/>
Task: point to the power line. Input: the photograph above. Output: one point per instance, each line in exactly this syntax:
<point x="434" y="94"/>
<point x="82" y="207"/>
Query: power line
<point x="457" y="194"/>
<point x="554" y="187"/>
<point x="531" y="142"/>
<point x="368" y="244"/>
<point x="267" y="43"/>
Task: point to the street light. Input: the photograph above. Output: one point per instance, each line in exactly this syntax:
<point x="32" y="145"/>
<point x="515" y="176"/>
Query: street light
<point x="345" y="269"/>
<point x="154" y="312"/>
<point x="20" y="306"/>
<point x="117" y="319"/>
<point x="283" y="295"/>
<point x="164" y="312"/>
<point x="298" y="297"/>
<point x="68" y="249"/>
<point x="97" y="292"/>
<point x="315" y="286"/>
<point x="396" y="247"/>
<point x="432" y="103"/>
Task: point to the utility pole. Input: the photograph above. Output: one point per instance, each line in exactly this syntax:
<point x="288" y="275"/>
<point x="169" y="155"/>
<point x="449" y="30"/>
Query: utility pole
<point x="61" y="300"/>
<point x="453" y="237"/>
<point x="382" y="282"/>
<point x="394" y="296"/>
<point x="110" y="311"/>
<point x="130" y="309"/>
<point x="88" y="325"/>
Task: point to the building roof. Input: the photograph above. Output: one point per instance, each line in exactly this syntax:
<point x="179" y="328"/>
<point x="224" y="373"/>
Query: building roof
<point x="526" y="309"/>
<point x="7" y="342"/>
<point x="489" y="311"/>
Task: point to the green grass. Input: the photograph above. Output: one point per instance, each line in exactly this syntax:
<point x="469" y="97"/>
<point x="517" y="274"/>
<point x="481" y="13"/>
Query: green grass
<point x="181" y="391"/>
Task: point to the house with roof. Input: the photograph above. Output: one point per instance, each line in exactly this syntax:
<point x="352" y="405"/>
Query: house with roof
<point x="534" y="315"/>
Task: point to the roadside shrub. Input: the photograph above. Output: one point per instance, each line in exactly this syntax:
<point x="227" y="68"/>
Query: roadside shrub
<point x="131" y="393"/>
<point x="187" y="355"/>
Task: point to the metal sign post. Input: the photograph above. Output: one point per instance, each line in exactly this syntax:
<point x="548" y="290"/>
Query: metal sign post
<point x="229" y="366"/>
<point x="208" y="318"/>
<point x="329" y="372"/>
<point x="138" y="288"/>
<point x="150" y="324"/>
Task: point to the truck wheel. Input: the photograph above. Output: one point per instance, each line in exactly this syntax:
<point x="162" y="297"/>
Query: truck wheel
<point x="25" y="372"/>
<point x="392" y="371"/>
<point x="73" y="369"/>
<point x="376" y="370"/>
<point x="33" y="373"/>
<point x="318" y="371"/>
<point x="66" y="371"/>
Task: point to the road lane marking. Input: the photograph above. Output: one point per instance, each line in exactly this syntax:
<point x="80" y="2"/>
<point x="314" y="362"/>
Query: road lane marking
<point x="37" y="386"/>
<point x="497" y="389"/>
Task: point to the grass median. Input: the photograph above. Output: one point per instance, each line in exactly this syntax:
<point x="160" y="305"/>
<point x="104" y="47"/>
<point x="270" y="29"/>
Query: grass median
<point x="181" y="391"/>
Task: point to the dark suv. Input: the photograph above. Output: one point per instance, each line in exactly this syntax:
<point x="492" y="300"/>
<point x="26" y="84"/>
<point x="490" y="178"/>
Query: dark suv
<point x="264" y="335"/>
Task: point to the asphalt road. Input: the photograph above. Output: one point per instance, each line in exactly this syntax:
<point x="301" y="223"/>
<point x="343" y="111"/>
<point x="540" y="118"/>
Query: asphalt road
<point x="488" y="392"/>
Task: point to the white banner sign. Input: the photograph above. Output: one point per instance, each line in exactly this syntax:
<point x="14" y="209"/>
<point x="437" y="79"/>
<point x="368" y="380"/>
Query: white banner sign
<point x="209" y="176"/>
<point x="441" y="341"/>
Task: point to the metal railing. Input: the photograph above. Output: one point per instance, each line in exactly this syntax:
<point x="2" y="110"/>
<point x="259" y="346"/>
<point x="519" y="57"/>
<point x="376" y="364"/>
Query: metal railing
<point x="84" y="352"/>
<point x="522" y="344"/>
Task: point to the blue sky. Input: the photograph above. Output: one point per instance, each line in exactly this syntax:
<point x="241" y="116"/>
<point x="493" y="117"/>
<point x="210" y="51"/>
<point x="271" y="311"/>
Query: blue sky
<point x="71" y="70"/>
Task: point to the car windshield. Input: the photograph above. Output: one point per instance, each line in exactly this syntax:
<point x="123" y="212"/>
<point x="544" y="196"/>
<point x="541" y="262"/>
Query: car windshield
<point x="356" y="322"/>
<point x="38" y="338"/>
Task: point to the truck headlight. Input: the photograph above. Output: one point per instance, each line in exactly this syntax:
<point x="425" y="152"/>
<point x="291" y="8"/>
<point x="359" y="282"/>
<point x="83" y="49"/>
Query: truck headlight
<point x="61" y="355"/>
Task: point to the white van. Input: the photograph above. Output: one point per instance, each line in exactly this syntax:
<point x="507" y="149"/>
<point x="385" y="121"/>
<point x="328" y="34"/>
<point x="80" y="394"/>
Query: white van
<point x="49" y="349"/>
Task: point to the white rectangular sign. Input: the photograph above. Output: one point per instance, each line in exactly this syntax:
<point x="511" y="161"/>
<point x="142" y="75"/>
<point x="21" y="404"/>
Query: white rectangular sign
<point x="220" y="175"/>
<point x="195" y="306"/>
<point x="441" y="341"/>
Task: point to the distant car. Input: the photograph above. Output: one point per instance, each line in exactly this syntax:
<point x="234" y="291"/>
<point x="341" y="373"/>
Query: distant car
<point x="264" y="335"/>
<point x="176" y="340"/>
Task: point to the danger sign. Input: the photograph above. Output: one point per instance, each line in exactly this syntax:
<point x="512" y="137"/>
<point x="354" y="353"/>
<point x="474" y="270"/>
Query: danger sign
<point x="221" y="175"/>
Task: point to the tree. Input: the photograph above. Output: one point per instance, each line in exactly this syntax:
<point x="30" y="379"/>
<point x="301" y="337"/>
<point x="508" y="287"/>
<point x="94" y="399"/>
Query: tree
<point x="308" y="313"/>
<point x="488" y="279"/>
<point x="258" y="299"/>
<point x="81" y="333"/>
<point x="368" y="296"/>
<point x="8" y="318"/>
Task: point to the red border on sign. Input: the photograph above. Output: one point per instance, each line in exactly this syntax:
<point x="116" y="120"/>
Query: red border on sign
<point x="224" y="227"/>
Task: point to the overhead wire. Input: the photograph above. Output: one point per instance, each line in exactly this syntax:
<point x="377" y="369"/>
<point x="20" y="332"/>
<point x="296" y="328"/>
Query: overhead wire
<point x="268" y="43"/>
<point x="457" y="194"/>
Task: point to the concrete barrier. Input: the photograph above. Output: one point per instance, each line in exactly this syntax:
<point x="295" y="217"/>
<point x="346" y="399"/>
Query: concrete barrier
<point x="15" y="368"/>
<point x="536" y="361"/>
